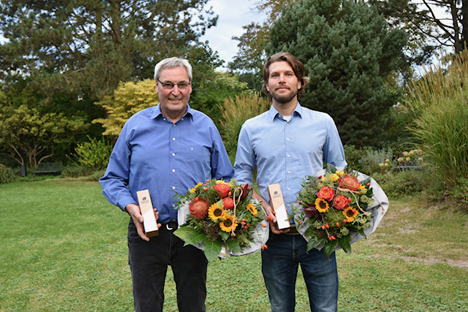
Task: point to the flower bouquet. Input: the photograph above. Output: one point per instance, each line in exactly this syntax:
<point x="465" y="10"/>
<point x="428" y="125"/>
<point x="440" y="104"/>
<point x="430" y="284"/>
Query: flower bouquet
<point x="335" y="209"/>
<point x="219" y="214"/>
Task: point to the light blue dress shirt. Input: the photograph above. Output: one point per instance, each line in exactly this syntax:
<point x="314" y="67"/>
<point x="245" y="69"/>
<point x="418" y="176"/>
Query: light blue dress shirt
<point x="285" y="152"/>
<point x="164" y="157"/>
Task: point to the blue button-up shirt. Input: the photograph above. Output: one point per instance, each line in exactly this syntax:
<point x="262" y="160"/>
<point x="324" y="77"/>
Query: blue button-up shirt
<point x="286" y="152"/>
<point x="164" y="157"/>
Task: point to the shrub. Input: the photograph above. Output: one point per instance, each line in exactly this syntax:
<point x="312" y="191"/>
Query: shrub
<point x="374" y="161"/>
<point x="6" y="174"/>
<point x="76" y="171"/>
<point x="233" y="115"/>
<point x="405" y="183"/>
<point x="94" y="154"/>
<point x="438" y="103"/>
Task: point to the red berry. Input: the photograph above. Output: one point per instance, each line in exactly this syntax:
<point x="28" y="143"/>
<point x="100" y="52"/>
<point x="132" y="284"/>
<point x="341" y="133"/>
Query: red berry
<point x="338" y="224"/>
<point x="327" y="226"/>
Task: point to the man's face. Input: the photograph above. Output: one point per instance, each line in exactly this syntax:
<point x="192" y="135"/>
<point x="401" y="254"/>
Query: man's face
<point x="282" y="83"/>
<point x="173" y="100"/>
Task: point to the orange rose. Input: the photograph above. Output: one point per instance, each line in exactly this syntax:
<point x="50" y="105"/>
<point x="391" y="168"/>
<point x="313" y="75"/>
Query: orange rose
<point x="326" y="193"/>
<point x="341" y="202"/>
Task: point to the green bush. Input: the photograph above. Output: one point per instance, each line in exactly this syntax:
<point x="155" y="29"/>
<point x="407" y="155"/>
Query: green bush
<point x="373" y="161"/>
<point x="94" y="154"/>
<point x="438" y="104"/>
<point x="6" y="174"/>
<point x="398" y="184"/>
<point x="234" y="113"/>
<point x="76" y="171"/>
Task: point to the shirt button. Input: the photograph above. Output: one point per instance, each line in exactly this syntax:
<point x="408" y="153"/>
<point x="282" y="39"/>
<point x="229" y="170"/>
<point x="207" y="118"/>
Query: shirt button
<point x="289" y="171"/>
<point x="173" y="187"/>
<point x="173" y="154"/>
<point x="173" y="139"/>
<point x="289" y="155"/>
<point x="287" y="139"/>
<point x="173" y="170"/>
<point x="289" y="188"/>
<point x="173" y="125"/>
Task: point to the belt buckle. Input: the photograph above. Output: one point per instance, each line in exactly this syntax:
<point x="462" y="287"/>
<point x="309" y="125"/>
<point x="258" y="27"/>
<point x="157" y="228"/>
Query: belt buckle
<point x="171" y="226"/>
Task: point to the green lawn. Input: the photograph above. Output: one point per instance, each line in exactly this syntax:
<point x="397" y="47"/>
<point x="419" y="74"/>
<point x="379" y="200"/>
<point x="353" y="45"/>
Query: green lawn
<point x="63" y="248"/>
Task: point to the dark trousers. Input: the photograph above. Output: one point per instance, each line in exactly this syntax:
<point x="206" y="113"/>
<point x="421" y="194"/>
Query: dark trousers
<point x="148" y="265"/>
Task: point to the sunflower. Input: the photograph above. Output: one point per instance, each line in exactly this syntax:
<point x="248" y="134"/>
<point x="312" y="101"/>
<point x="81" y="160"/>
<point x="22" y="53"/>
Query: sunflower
<point x="194" y="188"/>
<point x="350" y="213"/>
<point x="216" y="212"/>
<point x="227" y="224"/>
<point x="252" y="209"/>
<point x="321" y="205"/>
<point x="334" y="177"/>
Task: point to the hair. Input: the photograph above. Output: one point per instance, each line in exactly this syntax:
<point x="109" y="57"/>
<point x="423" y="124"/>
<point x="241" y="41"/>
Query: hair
<point x="296" y="65"/>
<point x="172" y="62"/>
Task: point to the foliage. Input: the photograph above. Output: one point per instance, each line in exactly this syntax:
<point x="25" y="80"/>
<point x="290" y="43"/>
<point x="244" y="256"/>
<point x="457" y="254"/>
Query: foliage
<point x="371" y="160"/>
<point x="348" y="50"/>
<point x="92" y="45"/>
<point x="95" y="153"/>
<point x="220" y="213"/>
<point x="6" y="174"/>
<point x="408" y="183"/>
<point x="36" y="134"/>
<point x="459" y="193"/>
<point x="438" y="104"/>
<point x="426" y="25"/>
<point x="127" y="99"/>
<point x="233" y="115"/>
<point x="251" y="55"/>
<point x="332" y="207"/>
<point x="212" y="89"/>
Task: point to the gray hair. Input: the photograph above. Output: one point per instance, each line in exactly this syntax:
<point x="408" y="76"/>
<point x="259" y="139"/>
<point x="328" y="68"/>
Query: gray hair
<point x="172" y="62"/>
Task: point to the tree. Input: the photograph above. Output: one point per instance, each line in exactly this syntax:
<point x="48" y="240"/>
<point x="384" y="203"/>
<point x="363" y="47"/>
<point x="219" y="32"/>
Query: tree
<point x="348" y="50"/>
<point x="27" y="131"/>
<point x="88" y="46"/>
<point x="128" y="99"/>
<point x="248" y="62"/>
<point x="429" y="23"/>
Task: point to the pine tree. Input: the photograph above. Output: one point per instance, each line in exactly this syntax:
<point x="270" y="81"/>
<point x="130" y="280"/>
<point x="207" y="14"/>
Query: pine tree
<point x="348" y="50"/>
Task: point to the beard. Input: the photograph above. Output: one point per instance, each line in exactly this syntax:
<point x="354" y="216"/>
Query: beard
<point x="282" y="99"/>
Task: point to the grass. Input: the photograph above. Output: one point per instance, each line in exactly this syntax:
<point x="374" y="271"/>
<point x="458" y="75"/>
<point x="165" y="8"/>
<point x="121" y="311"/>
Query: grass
<point x="63" y="248"/>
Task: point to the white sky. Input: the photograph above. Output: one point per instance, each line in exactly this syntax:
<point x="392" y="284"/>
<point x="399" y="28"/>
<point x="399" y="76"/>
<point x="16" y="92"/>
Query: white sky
<point x="232" y="15"/>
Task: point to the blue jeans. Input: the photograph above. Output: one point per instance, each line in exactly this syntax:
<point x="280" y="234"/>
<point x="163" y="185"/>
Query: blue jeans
<point x="279" y="267"/>
<point x="148" y="265"/>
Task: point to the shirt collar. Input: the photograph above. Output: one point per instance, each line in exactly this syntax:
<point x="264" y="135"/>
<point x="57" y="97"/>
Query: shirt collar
<point x="297" y="111"/>
<point x="157" y="112"/>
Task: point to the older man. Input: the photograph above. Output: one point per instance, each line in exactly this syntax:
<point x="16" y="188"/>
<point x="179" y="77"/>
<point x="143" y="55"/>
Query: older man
<point x="166" y="149"/>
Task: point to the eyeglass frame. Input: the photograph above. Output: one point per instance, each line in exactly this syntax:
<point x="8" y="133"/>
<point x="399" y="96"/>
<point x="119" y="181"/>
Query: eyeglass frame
<point x="173" y="84"/>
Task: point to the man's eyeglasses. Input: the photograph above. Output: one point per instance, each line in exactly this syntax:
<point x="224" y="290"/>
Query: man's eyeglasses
<point x="169" y="85"/>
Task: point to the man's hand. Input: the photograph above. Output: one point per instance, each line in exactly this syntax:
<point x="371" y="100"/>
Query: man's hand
<point x="134" y="211"/>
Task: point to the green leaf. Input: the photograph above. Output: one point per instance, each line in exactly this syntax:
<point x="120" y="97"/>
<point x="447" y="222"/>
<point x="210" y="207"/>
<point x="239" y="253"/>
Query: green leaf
<point x="330" y="247"/>
<point x="183" y="231"/>
<point x="212" y="249"/>
<point x="330" y="168"/>
<point x="312" y="243"/>
<point x="345" y="243"/>
<point x="234" y="246"/>
<point x="190" y="235"/>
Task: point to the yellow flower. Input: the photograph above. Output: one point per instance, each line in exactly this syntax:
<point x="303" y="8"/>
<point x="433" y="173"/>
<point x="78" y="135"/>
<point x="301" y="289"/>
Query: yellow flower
<point x="253" y="210"/>
<point x="334" y="177"/>
<point x="216" y="212"/>
<point x="321" y="205"/>
<point x="195" y="188"/>
<point x="339" y="172"/>
<point x="350" y="213"/>
<point x="227" y="224"/>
